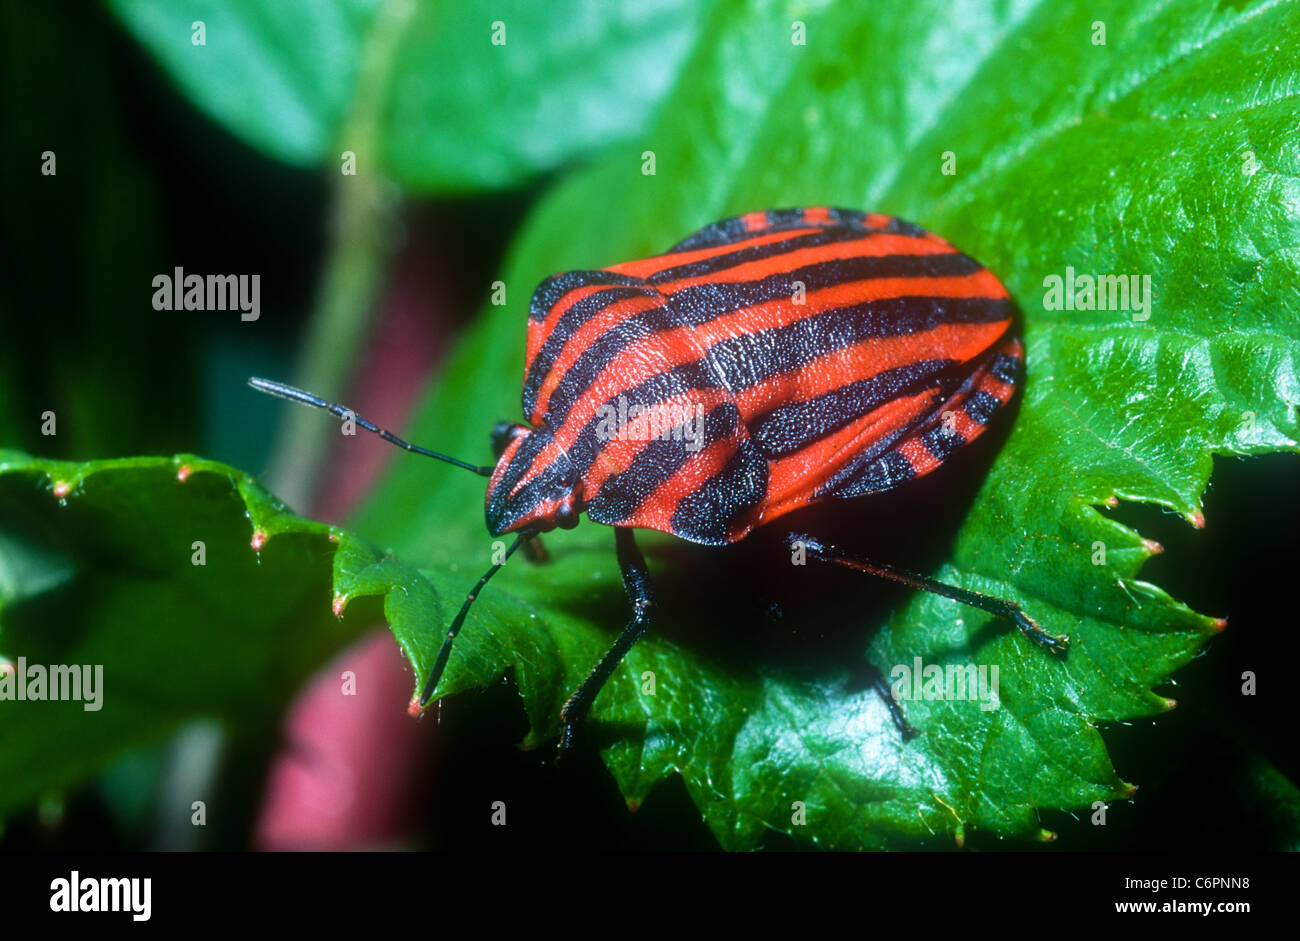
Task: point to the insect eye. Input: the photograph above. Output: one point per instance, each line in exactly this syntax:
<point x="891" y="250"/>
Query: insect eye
<point x="503" y="432"/>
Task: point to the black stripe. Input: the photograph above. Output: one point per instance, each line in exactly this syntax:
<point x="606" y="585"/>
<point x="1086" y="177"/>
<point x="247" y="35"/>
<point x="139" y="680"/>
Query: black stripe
<point x="749" y="359"/>
<point x="942" y="441"/>
<point x="792" y="427"/>
<point x="868" y="476"/>
<point x="787" y="219"/>
<point x="622" y="493"/>
<point x="702" y="303"/>
<point x="1007" y="368"/>
<point x="736" y="229"/>
<point x="717" y="508"/>
<point x="895" y="226"/>
<point x="732" y="295"/>
<point x="850" y="217"/>
<point x="981" y="406"/>
<point x="901" y="227"/>
<point x="715" y="233"/>
<point x="550" y="291"/>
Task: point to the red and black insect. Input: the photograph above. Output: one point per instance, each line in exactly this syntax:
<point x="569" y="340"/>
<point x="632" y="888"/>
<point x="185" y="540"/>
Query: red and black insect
<point x="767" y="362"/>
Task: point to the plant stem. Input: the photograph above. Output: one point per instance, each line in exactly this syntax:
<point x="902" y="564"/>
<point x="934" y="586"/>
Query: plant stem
<point x="365" y="215"/>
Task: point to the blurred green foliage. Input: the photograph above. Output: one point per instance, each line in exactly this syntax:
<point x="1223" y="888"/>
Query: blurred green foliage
<point x="81" y="248"/>
<point x="465" y="96"/>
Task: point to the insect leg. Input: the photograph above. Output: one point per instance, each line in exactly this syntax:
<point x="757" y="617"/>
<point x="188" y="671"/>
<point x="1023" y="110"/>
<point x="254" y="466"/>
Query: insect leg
<point x="895" y="710"/>
<point x="636" y="580"/>
<point x="440" y="664"/>
<point x="1008" y="610"/>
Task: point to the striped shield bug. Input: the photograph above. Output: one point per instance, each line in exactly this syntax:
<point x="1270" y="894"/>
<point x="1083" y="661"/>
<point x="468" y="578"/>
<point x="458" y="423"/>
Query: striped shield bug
<point x="767" y="362"/>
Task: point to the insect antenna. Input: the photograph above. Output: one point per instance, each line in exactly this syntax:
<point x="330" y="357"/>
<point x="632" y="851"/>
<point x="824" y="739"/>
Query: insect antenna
<point x="306" y="398"/>
<point x="440" y="664"/>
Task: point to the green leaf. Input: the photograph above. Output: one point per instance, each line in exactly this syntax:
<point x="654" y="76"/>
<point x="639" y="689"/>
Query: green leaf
<point x="1169" y="151"/>
<point x="105" y="576"/>
<point x="436" y="94"/>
